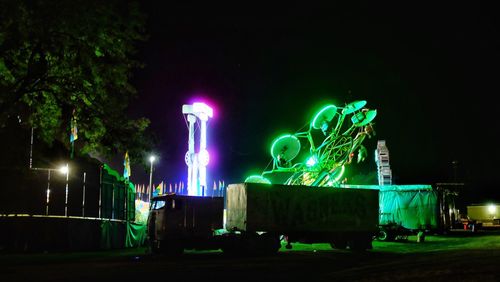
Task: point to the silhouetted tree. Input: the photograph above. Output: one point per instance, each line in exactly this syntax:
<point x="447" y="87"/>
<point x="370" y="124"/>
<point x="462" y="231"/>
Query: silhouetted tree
<point x="65" y="58"/>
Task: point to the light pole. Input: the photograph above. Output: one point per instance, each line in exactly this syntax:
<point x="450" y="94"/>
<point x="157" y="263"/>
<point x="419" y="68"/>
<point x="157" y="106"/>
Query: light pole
<point x="64" y="170"/>
<point x="151" y="160"/>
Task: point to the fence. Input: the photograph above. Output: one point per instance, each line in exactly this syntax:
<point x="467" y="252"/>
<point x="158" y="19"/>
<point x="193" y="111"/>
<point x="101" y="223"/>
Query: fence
<point x="88" y="190"/>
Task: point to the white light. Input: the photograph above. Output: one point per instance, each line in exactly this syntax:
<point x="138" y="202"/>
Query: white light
<point x="64" y="169"/>
<point x="152" y="158"/>
<point x="203" y="108"/>
<point x="311" y="161"/>
<point x="492" y="209"/>
<point x="204" y="157"/>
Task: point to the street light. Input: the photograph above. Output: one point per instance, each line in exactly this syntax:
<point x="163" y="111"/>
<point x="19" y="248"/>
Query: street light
<point x="151" y="160"/>
<point x="492" y="209"/>
<point x="63" y="170"/>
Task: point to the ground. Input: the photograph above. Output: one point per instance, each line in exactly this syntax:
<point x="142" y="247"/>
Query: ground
<point x="459" y="256"/>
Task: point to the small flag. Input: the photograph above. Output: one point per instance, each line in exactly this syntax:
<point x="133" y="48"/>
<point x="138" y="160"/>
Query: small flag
<point x="74" y="129"/>
<point x="73" y="133"/>
<point x="157" y="190"/>
<point x="126" y="167"/>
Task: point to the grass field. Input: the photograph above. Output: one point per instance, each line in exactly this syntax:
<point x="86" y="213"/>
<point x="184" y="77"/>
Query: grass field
<point x="460" y="256"/>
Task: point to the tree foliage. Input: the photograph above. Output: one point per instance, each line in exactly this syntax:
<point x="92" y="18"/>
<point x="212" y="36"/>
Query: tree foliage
<point x="60" y="57"/>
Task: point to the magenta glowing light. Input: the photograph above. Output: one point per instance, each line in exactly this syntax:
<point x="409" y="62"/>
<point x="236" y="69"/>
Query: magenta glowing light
<point x="197" y="160"/>
<point x="203" y="100"/>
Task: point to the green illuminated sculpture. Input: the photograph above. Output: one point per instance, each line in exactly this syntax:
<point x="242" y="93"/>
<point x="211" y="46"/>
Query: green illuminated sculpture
<point x="327" y="157"/>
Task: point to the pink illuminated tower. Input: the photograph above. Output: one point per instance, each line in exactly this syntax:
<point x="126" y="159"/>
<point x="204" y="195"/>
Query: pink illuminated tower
<point x="197" y="161"/>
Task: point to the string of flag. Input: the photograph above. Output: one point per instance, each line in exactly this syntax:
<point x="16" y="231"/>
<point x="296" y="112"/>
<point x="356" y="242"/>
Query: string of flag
<point x="143" y="190"/>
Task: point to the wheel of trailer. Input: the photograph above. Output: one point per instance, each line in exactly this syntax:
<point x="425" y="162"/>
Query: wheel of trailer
<point x="251" y="244"/>
<point x="263" y="244"/>
<point x="382" y="235"/>
<point x="360" y="243"/>
<point x="271" y="243"/>
<point x="231" y="245"/>
<point x="385" y="235"/>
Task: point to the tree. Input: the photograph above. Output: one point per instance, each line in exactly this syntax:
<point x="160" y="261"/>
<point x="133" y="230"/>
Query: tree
<point x="61" y="59"/>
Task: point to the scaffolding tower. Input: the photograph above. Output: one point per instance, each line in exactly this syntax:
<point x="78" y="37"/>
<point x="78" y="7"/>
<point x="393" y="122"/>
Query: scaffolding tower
<point x="383" y="166"/>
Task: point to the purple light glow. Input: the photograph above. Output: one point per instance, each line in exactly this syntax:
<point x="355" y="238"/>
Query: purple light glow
<point x="213" y="157"/>
<point x="203" y="99"/>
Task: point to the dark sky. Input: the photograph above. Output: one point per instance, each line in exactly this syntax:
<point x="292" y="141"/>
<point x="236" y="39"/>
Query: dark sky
<point x="430" y="71"/>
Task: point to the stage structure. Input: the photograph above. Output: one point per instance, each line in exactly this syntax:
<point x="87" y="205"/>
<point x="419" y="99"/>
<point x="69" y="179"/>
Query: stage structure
<point x="197" y="160"/>
<point x="324" y="150"/>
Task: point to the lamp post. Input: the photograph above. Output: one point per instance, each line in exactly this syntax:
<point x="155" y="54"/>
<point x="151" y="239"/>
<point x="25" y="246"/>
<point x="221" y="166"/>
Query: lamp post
<point x="151" y="160"/>
<point x="64" y="170"/>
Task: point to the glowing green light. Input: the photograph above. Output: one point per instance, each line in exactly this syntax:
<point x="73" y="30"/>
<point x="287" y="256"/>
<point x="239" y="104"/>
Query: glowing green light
<point x="325" y="115"/>
<point x="286" y="147"/>
<point x="339" y="175"/>
<point x="363" y="118"/>
<point x="342" y="170"/>
<point x="353" y="106"/>
<point x="324" y="165"/>
<point x="257" y="179"/>
<point x="311" y="161"/>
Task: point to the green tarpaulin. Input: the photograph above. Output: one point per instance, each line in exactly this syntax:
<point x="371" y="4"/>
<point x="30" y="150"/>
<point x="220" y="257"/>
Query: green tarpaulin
<point x="136" y="235"/>
<point x="410" y="206"/>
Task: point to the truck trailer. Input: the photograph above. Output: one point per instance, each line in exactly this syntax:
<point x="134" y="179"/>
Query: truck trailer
<point x="407" y="210"/>
<point x="415" y="209"/>
<point x="257" y="217"/>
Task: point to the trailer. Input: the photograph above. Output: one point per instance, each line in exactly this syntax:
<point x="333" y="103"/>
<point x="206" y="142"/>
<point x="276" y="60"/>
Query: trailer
<point x="258" y="217"/>
<point x="407" y="210"/>
<point x="483" y="216"/>
<point x="416" y="209"/>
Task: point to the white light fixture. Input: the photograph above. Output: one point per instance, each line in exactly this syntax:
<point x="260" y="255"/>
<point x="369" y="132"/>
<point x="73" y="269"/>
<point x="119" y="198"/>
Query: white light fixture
<point x="64" y="169"/>
<point x="492" y="209"/>
<point x="152" y="158"/>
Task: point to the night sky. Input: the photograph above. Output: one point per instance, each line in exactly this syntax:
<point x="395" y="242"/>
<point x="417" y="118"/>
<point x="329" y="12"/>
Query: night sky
<point x="430" y="71"/>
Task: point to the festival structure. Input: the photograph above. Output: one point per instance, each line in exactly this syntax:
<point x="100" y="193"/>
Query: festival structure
<point x="323" y="161"/>
<point x="255" y="216"/>
<point x="197" y="160"/>
<point x="319" y="156"/>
